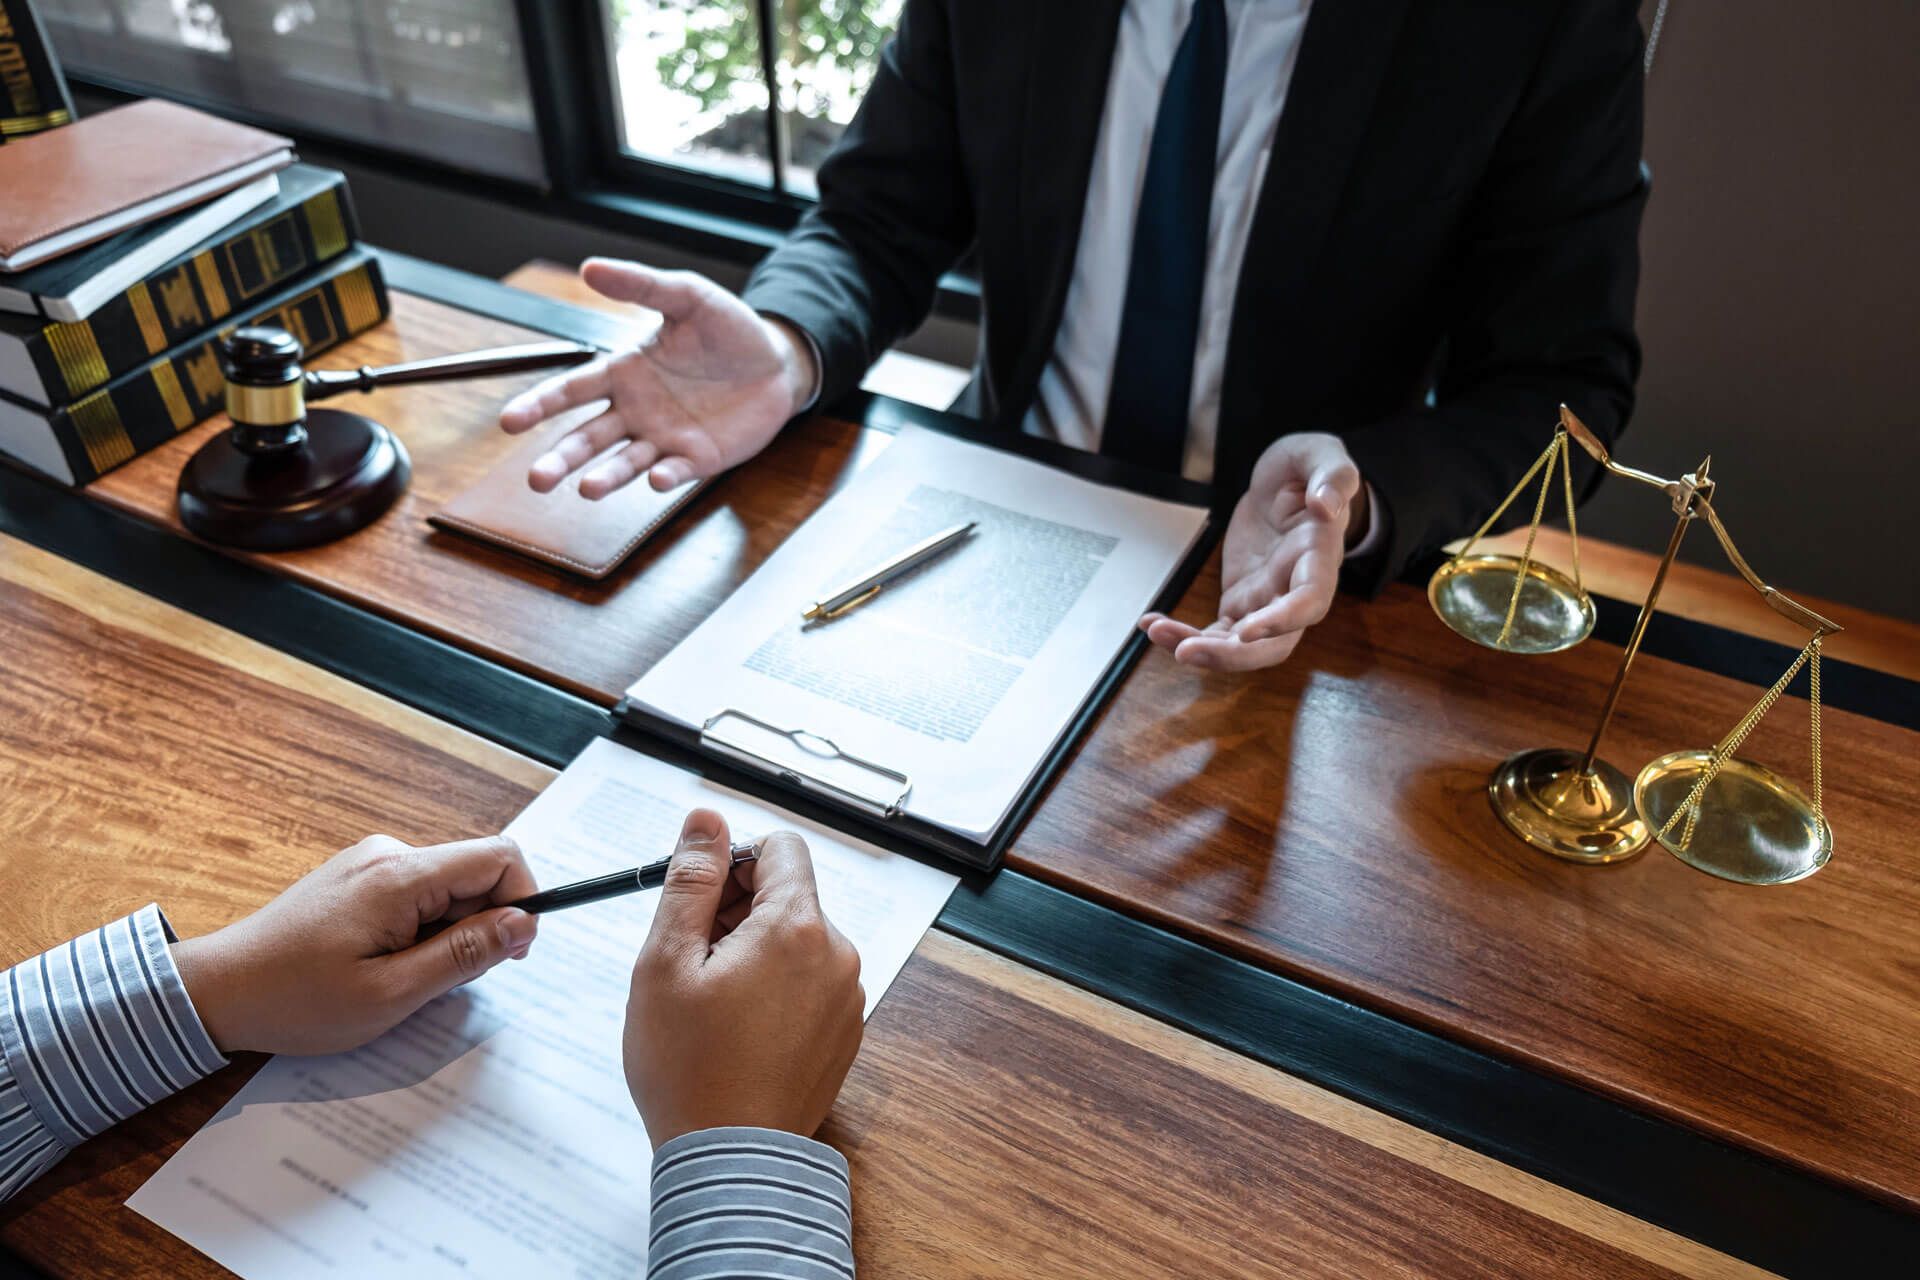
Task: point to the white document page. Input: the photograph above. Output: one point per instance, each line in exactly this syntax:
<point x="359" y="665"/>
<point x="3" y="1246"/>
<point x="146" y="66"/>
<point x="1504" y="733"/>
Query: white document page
<point x="492" y="1133"/>
<point x="964" y="674"/>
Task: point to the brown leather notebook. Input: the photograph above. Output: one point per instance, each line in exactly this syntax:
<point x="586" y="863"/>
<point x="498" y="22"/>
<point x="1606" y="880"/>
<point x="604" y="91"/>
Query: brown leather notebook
<point x="70" y="186"/>
<point x="561" y="528"/>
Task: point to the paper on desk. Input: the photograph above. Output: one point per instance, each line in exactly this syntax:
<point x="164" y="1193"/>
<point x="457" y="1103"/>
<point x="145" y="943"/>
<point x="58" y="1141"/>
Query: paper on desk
<point x="962" y="676"/>
<point x="492" y="1133"/>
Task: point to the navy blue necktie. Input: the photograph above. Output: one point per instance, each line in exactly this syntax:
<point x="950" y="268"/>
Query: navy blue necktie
<point x="1160" y="323"/>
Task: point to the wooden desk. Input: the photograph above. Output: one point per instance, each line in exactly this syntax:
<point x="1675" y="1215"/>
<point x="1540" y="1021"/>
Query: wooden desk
<point x="999" y="1123"/>
<point x="1325" y="820"/>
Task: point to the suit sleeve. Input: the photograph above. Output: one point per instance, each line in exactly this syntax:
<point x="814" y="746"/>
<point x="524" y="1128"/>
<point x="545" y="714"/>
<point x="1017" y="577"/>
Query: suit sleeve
<point x="1540" y="300"/>
<point x="738" y="1202"/>
<point x="860" y="270"/>
<point x="91" y="1032"/>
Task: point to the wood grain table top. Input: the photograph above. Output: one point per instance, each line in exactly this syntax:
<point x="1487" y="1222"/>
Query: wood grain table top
<point x="998" y="1122"/>
<point x="1326" y="820"/>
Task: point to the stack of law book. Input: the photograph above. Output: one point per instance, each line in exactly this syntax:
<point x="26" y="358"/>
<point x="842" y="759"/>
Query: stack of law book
<point x="168" y="230"/>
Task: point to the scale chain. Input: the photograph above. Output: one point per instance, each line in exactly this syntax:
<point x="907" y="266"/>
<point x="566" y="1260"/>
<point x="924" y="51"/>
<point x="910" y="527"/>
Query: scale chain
<point x="1573" y="530"/>
<point x="1533" y="531"/>
<point x="1724" y="750"/>
<point x="1507" y="501"/>
<point x="1813" y="674"/>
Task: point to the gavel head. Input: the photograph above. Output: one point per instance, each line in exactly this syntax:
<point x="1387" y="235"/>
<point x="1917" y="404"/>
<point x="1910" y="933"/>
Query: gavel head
<point x="266" y="388"/>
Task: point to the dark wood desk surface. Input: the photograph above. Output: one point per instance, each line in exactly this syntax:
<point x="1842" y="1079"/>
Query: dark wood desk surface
<point x="1326" y="819"/>
<point x="999" y="1123"/>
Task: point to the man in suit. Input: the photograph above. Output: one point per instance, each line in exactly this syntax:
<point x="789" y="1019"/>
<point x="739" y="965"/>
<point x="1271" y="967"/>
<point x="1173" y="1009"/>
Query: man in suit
<point x="743" y="1018"/>
<point x="1343" y="259"/>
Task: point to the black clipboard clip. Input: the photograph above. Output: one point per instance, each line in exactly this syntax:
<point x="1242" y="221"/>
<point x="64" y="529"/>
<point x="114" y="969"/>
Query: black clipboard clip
<point x="887" y="799"/>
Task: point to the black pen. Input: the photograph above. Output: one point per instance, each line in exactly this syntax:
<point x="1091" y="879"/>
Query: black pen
<point x="600" y="888"/>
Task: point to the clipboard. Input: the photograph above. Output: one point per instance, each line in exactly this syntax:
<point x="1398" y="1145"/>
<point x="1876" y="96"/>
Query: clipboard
<point x="869" y="797"/>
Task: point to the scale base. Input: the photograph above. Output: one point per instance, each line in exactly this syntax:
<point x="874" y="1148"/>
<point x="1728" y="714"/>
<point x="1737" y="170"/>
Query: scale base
<point x="1471" y="596"/>
<point x="340" y="479"/>
<point x="1545" y="799"/>
<point x="1755" y="827"/>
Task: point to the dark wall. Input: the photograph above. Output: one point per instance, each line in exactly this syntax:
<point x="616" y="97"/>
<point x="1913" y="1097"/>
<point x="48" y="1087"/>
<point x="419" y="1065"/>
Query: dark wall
<point x="1780" y="292"/>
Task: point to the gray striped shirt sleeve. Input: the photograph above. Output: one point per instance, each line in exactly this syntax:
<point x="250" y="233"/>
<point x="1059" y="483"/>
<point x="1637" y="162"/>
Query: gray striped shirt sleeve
<point x="750" y="1202"/>
<point x="91" y="1032"/>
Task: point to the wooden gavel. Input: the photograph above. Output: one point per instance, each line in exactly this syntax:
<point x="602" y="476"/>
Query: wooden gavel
<point x="286" y="476"/>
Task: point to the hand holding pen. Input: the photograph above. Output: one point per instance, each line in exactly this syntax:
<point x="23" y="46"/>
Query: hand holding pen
<point x="746" y="1004"/>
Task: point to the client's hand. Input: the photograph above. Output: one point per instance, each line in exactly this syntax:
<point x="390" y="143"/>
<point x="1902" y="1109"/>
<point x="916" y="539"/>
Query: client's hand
<point x="358" y="944"/>
<point x="1281" y="564"/>
<point x="708" y="390"/>
<point x="746" y="1002"/>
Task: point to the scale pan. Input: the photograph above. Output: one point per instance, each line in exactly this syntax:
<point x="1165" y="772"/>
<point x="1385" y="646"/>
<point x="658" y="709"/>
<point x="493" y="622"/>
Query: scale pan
<point x="1471" y="595"/>
<point x="1755" y="826"/>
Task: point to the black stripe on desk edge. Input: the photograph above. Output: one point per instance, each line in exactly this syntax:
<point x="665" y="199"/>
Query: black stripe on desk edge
<point x="1862" y="690"/>
<point x="1732" y="1200"/>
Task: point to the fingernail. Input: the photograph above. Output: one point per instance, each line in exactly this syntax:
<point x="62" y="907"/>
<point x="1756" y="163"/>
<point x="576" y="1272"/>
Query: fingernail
<point x="702" y="829"/>
<point x="516" y="929"/>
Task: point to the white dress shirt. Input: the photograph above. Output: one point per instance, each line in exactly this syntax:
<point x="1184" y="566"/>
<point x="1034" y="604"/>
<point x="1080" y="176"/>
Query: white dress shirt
<point x="1263" y="43"/>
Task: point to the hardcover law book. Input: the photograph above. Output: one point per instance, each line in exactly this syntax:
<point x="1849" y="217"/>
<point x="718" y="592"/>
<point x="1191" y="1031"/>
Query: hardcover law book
<point x="74" y="285"/>
<point x="149" y="406"/>
<point x="83" y="182"/>
<point x="33" y="92"/>
<point x="311" y="221"/>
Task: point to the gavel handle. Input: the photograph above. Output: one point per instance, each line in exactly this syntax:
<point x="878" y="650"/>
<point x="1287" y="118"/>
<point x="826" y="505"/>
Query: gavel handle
<point x="475" y="364"/>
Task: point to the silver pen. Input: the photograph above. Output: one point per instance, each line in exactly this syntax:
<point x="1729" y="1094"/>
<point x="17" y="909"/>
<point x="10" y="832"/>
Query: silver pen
<point x="858" y="592"/>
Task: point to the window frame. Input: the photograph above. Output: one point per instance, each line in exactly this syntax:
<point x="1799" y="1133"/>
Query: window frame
<point x="589" y="176"/>
<point x="580" y="33"/>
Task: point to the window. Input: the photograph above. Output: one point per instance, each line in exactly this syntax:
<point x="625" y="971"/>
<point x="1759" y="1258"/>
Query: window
<point x="440" y="79"/>
<point x="652" y="108"/>
<point x="691" y="89"/>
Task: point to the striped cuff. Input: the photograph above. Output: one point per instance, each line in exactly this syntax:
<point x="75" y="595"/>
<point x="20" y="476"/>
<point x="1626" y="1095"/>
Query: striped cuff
<point x="101" y="1027"/>
<point x="750" y="1202"/>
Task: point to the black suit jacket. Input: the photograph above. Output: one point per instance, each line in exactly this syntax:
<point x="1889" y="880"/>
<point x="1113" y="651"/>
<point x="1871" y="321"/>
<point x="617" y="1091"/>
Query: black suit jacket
<point x="1444" y="249"/>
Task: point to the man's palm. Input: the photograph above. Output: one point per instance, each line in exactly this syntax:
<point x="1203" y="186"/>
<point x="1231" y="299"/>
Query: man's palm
<point x="705" y="392"/>
<point x="1281" y="562"/>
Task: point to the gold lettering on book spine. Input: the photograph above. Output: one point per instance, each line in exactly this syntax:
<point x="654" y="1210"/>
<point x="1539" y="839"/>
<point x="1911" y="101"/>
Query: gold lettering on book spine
<point x="167" y="383"/>
<point x="147" y="318"/>
<point x="97" y="422"/>
<point x="328" y="225"/>
<point x="77" y="353"/>
<point x="22" y="98"/>
<point x="203" y="372"/>
<point x="216" y="293"/>
<point x="359" y="304"/>
<point x="16" y="126"/>
<point x="176" y="295"/>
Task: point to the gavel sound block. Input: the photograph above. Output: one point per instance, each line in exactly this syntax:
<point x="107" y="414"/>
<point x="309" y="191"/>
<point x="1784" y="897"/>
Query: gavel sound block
<point x="287" y="477"/>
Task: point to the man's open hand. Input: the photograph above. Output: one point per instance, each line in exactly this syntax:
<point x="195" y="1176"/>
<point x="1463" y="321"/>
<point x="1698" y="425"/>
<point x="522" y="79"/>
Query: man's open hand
<point x="708" y="390"/>
<point x="1281" y="564"/>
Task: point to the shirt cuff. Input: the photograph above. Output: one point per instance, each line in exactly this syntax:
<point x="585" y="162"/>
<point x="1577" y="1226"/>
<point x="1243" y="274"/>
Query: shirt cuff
<point x="746" y="1201"/>
<point x="1376" y="534"/>
<point x="101" y="1027"/>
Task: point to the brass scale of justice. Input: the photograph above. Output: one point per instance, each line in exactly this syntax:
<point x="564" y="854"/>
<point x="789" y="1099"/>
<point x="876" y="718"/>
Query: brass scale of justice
<point x="1714" y="810"/>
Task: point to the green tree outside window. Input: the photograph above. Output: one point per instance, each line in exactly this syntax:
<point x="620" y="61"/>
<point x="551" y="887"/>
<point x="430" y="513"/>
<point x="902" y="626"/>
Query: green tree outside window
<point x="828" y="54"/>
